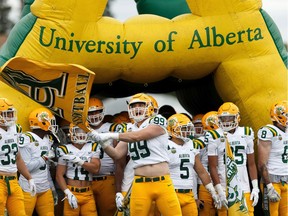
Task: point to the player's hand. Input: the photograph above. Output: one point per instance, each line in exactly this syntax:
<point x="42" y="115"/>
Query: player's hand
<point x="93" y="135"/>
<point x="222" y="197"/>
<point x="55" y="197"/>
<point x="49" y="155"/>
<point x="214" y="195"/>
<point x="254" y="196"/>
<point x="32" y="187"/>
<point x="72" y="200"/>
<point x="119" y="201"/>
<point x="102" y="137"/>
<point x="73" y="159"/>
<point x="273" y="195"/>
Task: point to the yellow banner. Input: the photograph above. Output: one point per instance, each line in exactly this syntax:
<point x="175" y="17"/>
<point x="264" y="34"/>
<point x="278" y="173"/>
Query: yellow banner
<point x="236" y="200"/>
<point x="63" y="88"/>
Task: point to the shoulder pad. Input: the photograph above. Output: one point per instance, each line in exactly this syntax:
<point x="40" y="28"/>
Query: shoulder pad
<point x="61" y="150"/>
<point x="26" y="139"/>
<point x="18" y="128"/>
<point x="248" y="131"/>
<point x="198" y="144"/>
<point x="32" y="139"/>
<point x="273" y="131"/>
<point x="94" y="146"/>
<point x="214" y="134"/>
<point x="118" y="127"/>
<point x="158" y="120"/>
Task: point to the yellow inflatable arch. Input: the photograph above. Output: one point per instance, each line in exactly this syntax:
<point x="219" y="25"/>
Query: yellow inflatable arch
<point x="228" y="40"/>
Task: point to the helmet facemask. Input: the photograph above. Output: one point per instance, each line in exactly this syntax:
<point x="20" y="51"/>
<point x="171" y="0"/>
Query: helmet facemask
<point x="184" y="132"/>
<point x="95" y="117"/>
<point x="228" y="122"/>
<point x="140" y="112"/>
<point x="78" y="135"/>
<point x="8" y="117"/>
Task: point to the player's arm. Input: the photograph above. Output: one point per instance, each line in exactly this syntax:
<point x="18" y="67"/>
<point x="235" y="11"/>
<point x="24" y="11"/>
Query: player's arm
<point x="200" y="170"/>
<point x="22" y="169"/>
<point x="264" y="148"/>
<point x="147" y="133"/>
<point x="118" y="152"/>
<point x="93" y="166"/>
<point x="60" y="172"/>
<point x="252" y="166"/>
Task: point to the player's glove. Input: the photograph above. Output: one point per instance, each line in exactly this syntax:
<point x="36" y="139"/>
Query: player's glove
<point x="32" y="187"/>
<point x="215" y="197"/>
<point x="119" y="201"/>
<point x="73" y="159"/>
<point x="273" y="195"/>
<point x="55" y="197"/>
<point x="49" y="155"/>
<point x="222" y="197"/>
<point x="102" y="137"/>
<point x="255" y="192"/>
<point x="72" y="200"/>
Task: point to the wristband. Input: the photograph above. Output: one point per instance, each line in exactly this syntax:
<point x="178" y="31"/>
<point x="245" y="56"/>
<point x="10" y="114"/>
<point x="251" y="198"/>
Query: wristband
<point x="115" y="136"/>
<point x="209" y="187"/>
<point x="255" y="183"/>
<point x="269" y="185"/>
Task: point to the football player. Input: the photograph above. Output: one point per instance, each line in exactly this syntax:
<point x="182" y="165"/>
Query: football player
<point x="206" y="206"/>
<point x="36" y="150"/>
<point x="11" y="195"/>
<point x="147" y="146"/>
<point x="273" y="160"/>
<point x="197" y="122"/>
<point x="242" y="146"/>
<point x="104" y="182"/>
<point x="128" y="176"/>
<point x="78" y="162"/>
<point x="183" y="160"/>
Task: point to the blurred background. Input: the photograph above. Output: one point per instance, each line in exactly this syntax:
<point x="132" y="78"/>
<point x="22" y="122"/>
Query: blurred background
<point x="10" y="12"/>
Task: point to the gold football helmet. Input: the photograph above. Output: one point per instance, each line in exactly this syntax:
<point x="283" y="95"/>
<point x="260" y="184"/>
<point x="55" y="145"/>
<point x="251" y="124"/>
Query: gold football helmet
<point x="279" y="113"/>
<point x="42" y="118"/>
<point x="228" y="116"/>
<point x="197" y="121"/>
<point x="210" y="121"/>
<point x="122" y="117"/>
<point x="77" y="134"/>
<point x="155" y="104"/>
<point x="180" y="126"/>
<point x="95" y="111"/>
<point x="140" y="107"/>
<point x="8" y="114"/>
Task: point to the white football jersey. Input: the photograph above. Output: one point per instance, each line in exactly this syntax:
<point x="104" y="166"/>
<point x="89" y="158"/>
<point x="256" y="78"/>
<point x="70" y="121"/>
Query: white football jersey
<point x="150" y="151"/>
<point x="9" y="148"/>
<point x="278" y="157"/>
<point x="86" y="153"/>
<point x="181" y="165"/>
<point x="32" y="147"/>
<point x="241" y="142"/>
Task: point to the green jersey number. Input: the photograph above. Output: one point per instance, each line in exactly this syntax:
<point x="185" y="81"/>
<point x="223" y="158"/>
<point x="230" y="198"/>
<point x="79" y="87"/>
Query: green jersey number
<point x="139" y="150"/>
<point x="43" y="167"/>
<point x="82" y="171"/>
<point x="10" y="158"/>
<point x="285" y="155"/>
<point x="184" y="168"/>
<point x="238" y="156"/>
<point x="159" y="121"/>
